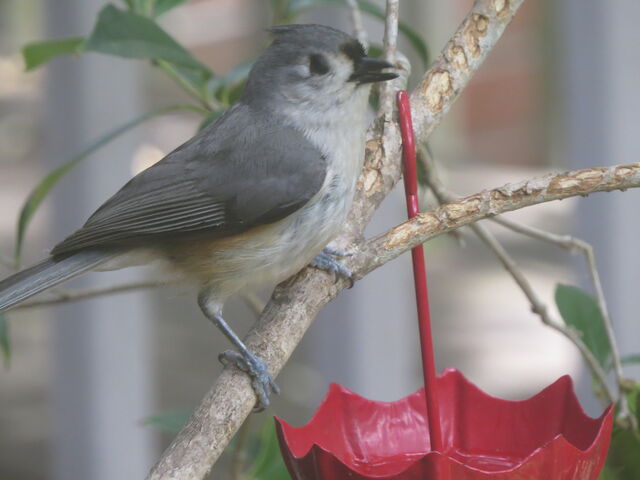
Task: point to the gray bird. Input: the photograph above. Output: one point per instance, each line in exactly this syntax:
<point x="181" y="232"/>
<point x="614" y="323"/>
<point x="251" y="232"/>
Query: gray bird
<point x="252" y="198"/>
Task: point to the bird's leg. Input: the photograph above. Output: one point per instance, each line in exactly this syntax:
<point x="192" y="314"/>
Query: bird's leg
<point x="261" y="381"/>
<point x="326" y="261"/>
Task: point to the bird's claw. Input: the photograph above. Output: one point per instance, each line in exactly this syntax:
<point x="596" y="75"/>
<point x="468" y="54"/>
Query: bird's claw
<point x="262" y="382"/>
<point x="325" y="261"/>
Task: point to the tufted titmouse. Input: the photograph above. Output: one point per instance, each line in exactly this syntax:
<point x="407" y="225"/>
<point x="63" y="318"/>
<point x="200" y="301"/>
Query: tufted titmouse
<point x="252" y="198"/>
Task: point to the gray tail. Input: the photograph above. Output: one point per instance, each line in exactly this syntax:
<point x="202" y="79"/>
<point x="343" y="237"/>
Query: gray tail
<point x="31" y="281"/>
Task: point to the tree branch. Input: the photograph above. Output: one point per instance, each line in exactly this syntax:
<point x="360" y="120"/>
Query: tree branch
<point x="296" y="302"/>
<point x="494" y="202"/>
<point x="390" y="47"/>
<point x="461" y="57"/>
<point x="65" y="295"/>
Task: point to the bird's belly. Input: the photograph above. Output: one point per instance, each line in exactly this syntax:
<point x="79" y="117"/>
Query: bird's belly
<point x="285" y="248"/>
<point x="267" y="254"/>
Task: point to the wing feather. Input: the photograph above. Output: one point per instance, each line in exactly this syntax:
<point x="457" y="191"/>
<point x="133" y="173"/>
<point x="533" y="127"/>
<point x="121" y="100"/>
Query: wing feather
<point x="243" y="171"/>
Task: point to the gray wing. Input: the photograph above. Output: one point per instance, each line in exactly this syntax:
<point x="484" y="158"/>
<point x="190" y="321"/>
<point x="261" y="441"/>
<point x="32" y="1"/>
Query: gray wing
<point x="241" y="172"/>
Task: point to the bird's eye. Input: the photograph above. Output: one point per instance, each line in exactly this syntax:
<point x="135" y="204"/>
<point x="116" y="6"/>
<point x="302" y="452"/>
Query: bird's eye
<point x="318" y="65"/>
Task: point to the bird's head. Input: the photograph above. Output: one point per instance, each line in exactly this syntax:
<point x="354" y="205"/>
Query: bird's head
<point x="315" y="68"/>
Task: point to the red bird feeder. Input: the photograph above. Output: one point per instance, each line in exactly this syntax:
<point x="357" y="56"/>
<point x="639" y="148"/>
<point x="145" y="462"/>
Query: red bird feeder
<point x="454" y="431"/>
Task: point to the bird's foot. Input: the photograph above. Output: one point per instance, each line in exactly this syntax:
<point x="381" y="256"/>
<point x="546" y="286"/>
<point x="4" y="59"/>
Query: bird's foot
<point x="325" y="261"/>
<point x="261" y="381"/>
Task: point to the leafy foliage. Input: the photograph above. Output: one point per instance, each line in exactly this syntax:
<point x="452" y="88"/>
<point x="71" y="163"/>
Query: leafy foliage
<point x="163" y="6"/>
<point x="127" y="34"/>
<point x="228" y="88"/>
<point x="130" y="35"/>
<point x="580" y="310"/>
<point x="268" y="463"/>
<point x="623" y="461"/>
<point x="38" y="53"/>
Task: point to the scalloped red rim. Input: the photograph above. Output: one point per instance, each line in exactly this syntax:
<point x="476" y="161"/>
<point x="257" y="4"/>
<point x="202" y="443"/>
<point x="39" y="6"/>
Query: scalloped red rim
<point x="482" y="434"/>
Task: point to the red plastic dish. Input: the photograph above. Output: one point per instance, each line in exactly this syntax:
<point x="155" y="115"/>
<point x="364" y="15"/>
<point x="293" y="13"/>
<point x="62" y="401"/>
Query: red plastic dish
<point x="547" y="436"/>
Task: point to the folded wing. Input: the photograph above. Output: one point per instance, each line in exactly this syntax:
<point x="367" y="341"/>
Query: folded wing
<point x="243" y="171"/>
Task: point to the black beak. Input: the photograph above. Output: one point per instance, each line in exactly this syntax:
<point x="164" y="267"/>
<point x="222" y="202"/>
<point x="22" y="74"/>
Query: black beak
<point x="369" y="70"/>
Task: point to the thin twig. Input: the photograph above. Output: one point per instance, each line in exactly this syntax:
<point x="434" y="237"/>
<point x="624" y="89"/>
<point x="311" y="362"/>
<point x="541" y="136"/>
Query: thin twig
<point x="571" y="243"/>
<point x="390" y="46"/>
<point x="208" y="104"/>
<point x="67" y="295"/>
<point x="539" y="308"/>
<point x="356" y="20"/>
<point x="390" y="40"/>
<point x="565" y="241"/>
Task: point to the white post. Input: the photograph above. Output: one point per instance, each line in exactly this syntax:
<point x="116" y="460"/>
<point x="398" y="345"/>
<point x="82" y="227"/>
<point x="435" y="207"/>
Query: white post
<point x="102" y="384"/>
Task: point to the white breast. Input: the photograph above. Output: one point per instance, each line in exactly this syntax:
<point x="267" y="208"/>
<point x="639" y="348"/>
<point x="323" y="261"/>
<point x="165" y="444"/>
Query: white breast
<point x="285" y="247"/>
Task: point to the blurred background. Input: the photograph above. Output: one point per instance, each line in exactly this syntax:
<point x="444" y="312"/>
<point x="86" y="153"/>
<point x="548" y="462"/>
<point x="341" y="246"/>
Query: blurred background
<point x="558" y="92"/>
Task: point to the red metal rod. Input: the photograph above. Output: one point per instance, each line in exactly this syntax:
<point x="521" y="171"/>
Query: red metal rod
<point x="420" y="274"/>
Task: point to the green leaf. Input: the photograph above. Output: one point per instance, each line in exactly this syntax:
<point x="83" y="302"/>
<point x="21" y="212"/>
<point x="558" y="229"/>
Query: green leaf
<point x="193" y="82"/>
<point x="35" y="54"/>
<point x="43" y="188"/>
<point x="608" y="474"/>
<point x="633" y="399"/>
<point x="163" y="6"/>
<point x="5" y="343"/>
<point x="268" y="463"/>
<point x="623" y="461"/>
<point x="137" y="6"/>
<point x="170" y="421"/>
<point x="296" y="7"/>
<point x="237" y="75"/>
<point x="129" y="35"/>
<point x="580" y="311"/>
<point x="228" y="88"/>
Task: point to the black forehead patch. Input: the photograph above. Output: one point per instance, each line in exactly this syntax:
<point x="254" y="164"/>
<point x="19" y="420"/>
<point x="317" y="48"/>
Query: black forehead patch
<point x="354" y="50"/>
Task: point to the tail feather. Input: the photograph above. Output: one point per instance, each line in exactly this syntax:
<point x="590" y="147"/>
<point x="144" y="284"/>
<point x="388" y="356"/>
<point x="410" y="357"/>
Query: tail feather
<point x="46" y="274"/>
